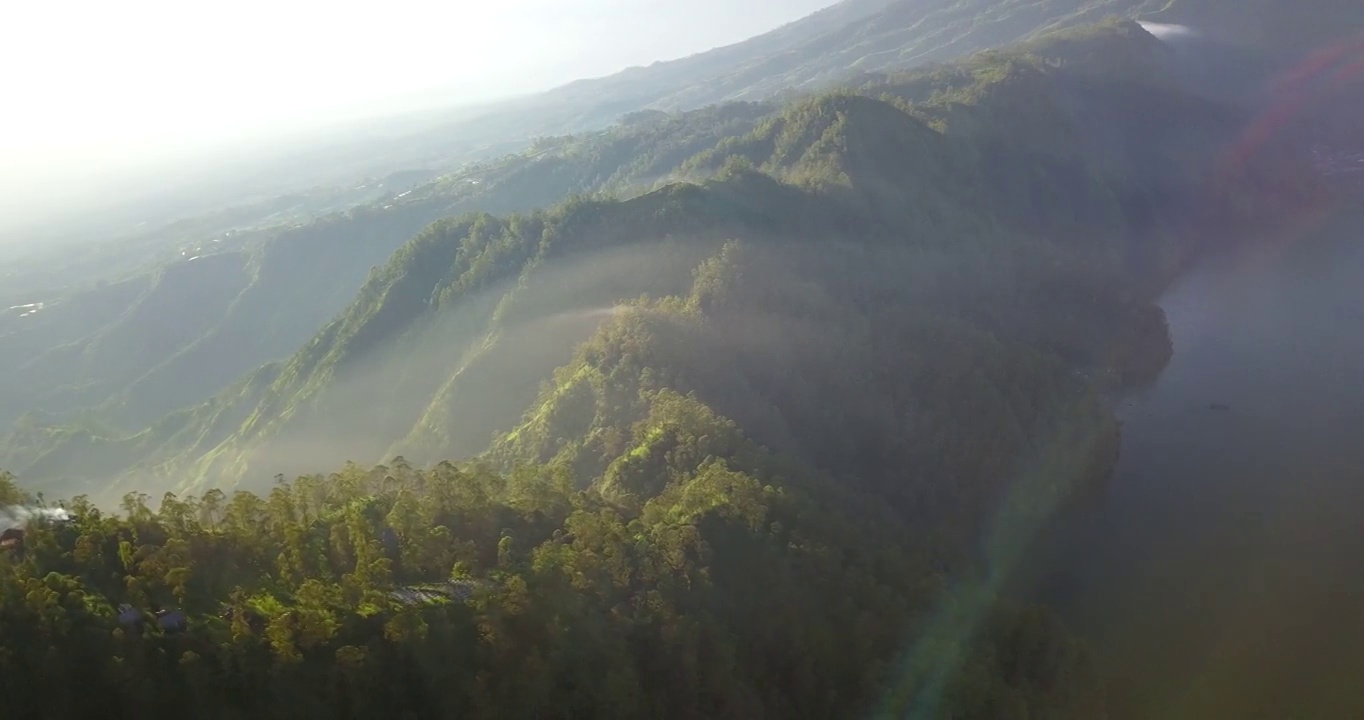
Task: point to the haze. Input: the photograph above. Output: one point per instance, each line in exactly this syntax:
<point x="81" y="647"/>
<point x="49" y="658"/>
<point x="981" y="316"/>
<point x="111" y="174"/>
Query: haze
<point x="94" y="87"/>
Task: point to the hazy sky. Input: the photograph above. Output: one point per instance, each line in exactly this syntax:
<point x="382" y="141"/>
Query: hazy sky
<point x="107" y="80"/>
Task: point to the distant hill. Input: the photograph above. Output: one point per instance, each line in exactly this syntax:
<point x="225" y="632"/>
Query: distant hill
<point x="859" y="36"/>
<point x="827" y="47"/>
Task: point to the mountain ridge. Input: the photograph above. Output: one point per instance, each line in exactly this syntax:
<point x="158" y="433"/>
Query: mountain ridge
<point x="767" y="437"/>
<point x="235" y="337"/>
<point x="829" y="171"/>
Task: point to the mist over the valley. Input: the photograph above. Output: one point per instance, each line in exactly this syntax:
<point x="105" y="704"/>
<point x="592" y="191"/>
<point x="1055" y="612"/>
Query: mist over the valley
<point x="303" y="110"/>
<point x="464" y="373"/>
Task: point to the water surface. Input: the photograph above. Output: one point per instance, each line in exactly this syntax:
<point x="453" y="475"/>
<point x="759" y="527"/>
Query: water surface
<point x="1221" y="573"/>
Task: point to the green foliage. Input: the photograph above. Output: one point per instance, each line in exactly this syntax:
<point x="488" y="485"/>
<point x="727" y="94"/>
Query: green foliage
<point x="1006" y="162"/>
<point x="10" y="493"/>
<point x="723" y="593"/>
<point x="748" y="431"/>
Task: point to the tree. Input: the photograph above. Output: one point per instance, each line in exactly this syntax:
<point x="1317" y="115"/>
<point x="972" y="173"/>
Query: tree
<point x="10" y="494"/>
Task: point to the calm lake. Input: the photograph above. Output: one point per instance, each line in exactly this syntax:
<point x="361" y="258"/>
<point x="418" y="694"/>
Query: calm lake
<point x="1221" y="572"/>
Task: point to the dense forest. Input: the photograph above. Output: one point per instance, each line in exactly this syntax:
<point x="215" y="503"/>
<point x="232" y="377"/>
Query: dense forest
<point x="759" y="434"/>
<point x="742" y="590"/>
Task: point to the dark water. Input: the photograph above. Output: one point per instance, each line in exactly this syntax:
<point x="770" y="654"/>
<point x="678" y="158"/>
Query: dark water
<point x="1221" y="574"/>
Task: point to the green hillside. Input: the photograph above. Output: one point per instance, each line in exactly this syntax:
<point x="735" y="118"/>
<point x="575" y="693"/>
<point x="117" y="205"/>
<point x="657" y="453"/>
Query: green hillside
<point x="286" y="282"/>
<point x="1023" y="194"/>
<point x="761" y="435"/>
<point x="88" y="353"/>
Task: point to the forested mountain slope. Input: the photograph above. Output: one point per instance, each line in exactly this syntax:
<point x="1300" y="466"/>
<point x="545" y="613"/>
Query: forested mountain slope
<point x="764" y="444"/>
<point x="1027" y="194"/>
<point x="111" y="362"/>
<point x="263" y="293"/>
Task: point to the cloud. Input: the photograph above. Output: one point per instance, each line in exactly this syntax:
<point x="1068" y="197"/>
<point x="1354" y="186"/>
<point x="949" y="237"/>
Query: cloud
<point x="1167" y="32"/>
<point x="18" y="516"/>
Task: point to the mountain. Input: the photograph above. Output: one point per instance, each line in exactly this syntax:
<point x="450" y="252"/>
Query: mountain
<point x="868" y="36"/>
<point x="118" y="359"/>
<point x="1031" y="176"/>
<point x="762" y="439"/>
<point x="242" y="298"/>
<point x="852" y="36"/>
